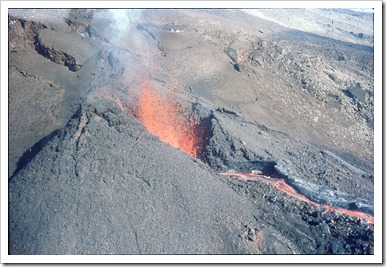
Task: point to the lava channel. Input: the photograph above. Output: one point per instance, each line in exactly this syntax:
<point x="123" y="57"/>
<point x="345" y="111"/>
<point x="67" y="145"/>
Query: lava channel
<point x="281" y="185"/>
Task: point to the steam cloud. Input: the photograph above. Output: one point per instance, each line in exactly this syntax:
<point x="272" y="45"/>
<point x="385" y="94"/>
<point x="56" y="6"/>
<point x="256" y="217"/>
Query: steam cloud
<point x="122" y="22"/>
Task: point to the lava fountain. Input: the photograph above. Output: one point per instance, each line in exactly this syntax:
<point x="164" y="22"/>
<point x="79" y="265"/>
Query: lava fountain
<point x="165" y="118"/>
<point x="175" y="124"/>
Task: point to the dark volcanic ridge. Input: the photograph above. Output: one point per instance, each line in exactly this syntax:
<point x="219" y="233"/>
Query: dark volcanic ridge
<point x="173" y="138"/>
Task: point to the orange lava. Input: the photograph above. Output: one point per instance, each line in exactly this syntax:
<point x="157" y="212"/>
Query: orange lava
<point x="163" y="117"/>
<point x="281" y="185"/>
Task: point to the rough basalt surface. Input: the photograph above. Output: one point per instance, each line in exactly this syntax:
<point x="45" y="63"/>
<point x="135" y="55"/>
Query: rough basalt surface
<point x="87" y="177"/>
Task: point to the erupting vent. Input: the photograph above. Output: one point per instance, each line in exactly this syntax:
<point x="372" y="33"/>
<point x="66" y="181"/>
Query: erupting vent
<point x="183" y="126"/>
<point x="171" y="122"/>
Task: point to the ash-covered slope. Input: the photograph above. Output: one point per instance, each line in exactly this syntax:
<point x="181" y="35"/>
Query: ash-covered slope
<point x="103" y="184"/>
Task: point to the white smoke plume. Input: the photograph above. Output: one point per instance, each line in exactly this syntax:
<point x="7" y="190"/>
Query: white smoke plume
<point x="123" y="21"/>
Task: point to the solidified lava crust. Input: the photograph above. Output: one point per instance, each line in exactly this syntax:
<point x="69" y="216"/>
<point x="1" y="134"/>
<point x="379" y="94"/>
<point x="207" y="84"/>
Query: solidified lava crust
<point x="118" y="133"/>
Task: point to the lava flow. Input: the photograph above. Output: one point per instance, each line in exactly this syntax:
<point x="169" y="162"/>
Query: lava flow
<point x="164" y="118"/>
<point x="281" y="185"/>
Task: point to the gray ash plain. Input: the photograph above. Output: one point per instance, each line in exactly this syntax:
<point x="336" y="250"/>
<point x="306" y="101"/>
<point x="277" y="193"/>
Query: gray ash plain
<point x="87" y="176"/>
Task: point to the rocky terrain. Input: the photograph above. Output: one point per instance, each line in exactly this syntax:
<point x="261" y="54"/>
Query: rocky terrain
<point x="146" y="131"/>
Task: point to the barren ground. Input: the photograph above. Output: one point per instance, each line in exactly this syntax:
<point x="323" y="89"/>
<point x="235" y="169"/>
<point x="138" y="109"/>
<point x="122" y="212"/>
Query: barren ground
<point x="121" y="123"/>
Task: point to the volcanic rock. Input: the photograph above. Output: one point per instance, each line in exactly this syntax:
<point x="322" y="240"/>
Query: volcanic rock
<point x="126" y="127"/>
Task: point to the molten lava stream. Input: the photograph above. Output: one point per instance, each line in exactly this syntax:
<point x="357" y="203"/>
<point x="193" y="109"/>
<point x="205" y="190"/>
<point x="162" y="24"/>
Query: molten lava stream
<point x="163" y="117"/>
<point x="281" y="185"/>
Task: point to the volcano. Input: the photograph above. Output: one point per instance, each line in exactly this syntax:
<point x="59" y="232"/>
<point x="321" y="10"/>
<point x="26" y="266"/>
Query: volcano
<point x="186" y="131"/>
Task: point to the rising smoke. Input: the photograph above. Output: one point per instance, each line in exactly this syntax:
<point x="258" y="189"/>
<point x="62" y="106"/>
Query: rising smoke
<point x="122" y="22"/>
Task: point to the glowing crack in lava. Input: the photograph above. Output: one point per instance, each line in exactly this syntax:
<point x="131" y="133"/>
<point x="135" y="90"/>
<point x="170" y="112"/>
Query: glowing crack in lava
<point x="163" y="117"/>
<point x="281" y="185"/>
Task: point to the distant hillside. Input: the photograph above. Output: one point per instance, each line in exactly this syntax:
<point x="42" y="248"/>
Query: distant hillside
<point x="341" y="24"/>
